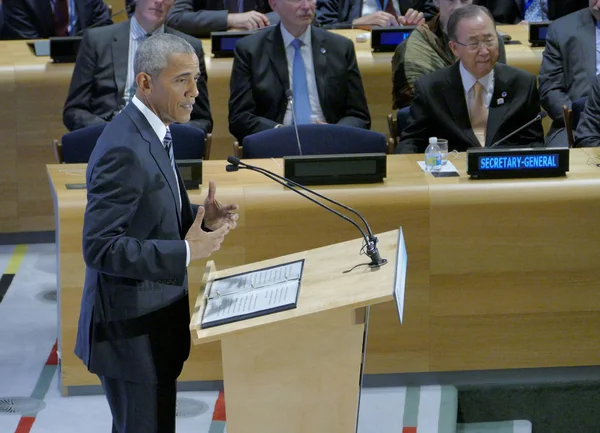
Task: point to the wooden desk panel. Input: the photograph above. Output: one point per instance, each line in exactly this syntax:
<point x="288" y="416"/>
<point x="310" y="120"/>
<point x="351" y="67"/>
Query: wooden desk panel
<point x="502" y="274"/>
<point x="34" y="92"/>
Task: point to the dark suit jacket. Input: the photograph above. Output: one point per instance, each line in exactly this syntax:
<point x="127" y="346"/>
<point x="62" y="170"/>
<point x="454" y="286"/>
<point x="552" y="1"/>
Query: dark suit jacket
<point x="100" y="75"/>
<point x="568" y="68"/>
<point x="33" y="19"/>
<point x="440" y="110"/>
<point x="511" y="11"/>
<point x="201" y="17"/>
<point x="260" y="79"/>
<point x="587" y="133"/>
<point x="343" y="12"/>
<point x="134" y="320"/>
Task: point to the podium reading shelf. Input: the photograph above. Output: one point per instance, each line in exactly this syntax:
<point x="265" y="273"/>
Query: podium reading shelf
<point x="299" y="370"/>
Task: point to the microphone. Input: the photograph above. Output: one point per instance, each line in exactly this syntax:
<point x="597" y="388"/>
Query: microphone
<point x="370" y="240"/>
<point x="537" y="118"/>
<point x="127" y="9"/>
<point x="289" y="94"/>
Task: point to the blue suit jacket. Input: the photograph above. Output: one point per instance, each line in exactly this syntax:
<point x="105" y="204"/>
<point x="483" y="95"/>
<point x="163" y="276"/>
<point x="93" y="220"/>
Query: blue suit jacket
<point x="33" y="19"/>
<point x="134" y="320"/>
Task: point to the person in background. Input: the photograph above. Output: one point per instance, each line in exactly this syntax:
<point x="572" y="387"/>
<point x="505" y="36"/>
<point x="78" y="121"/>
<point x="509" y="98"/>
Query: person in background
<point x="570" y="64"/>
<point x="587" y="133"/>
<point x="103" y="80"/>
<point x="426" y="50"/>
<point x="317" y="65"/>
<point x="383" y="13"/>
<point x="201" y="17"/>
<point x="140" y="233"/>
<point x="476" y="101"/>
<point x="42" y="19"/>
<point x="524" y="11"/>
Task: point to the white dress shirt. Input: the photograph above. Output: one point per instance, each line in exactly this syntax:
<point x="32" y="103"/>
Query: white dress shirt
<point x="311" y="81"/>
<point x="160" y="130"/>
<point x="468" y="81"/>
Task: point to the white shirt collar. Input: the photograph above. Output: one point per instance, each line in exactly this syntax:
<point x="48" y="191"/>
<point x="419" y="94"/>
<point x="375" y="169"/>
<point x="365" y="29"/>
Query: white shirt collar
<point x="288" y="38"/>
<point x="157" y="125"/>
<point x="469" y="80"/>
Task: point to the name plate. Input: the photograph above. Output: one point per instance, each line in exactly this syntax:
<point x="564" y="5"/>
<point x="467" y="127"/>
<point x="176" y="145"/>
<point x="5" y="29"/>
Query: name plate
<point x="336" y="169"/>
<point x="223" y="43"/>
<point x="509" y="163"/>
<point x="386" y="39"/>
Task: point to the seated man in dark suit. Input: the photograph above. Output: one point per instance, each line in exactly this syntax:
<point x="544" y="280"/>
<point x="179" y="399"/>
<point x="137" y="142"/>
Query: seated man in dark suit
<point x="41" y="19"/>
<point x="569" y="66"/>
<point x="201" y="17"/>
<point x="476" y="101"/>
<point x="587" y="133"/>
<point x="103" y="81"/>
<point x="426" y="50"/>
<point x="318" y="66"/>
<point x="383" y="13"/>
<point x="523" y="11"/>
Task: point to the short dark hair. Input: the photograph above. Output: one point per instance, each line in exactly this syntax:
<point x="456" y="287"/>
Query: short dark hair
<point x="465" y="13"/>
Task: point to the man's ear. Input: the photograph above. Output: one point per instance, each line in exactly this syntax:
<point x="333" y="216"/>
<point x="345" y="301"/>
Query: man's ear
<point x="454" y="47"/>
<point x="144" y="82"/>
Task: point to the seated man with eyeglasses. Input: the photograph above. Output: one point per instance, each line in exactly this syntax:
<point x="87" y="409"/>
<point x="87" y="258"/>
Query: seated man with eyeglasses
<point x="476" y="101"/>
<point x="318" y="66"/>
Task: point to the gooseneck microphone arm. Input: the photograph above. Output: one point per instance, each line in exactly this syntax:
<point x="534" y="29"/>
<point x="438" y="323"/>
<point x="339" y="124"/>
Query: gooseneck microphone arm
<point x="537" y="118"/>
<point x="370" y="240"/>
<point x="290" y="97"/>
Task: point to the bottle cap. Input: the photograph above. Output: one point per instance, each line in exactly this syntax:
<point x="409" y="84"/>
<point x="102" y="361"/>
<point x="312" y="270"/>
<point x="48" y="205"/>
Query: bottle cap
<point x="432" y="140"/>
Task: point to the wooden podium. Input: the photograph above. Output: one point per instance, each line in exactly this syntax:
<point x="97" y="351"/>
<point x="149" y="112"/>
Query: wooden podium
<point x="300" y="370"/>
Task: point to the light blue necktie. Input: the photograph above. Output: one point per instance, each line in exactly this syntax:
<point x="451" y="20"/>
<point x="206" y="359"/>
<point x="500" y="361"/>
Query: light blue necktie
<point x="533" y="13"/>
<point x="302" y="108"/>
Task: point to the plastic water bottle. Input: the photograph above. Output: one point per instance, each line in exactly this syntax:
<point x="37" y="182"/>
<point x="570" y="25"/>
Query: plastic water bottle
<point x="433" y="156"/>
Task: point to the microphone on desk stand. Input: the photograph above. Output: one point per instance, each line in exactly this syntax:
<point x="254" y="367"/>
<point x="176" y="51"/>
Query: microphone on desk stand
<point x="537" y="118"/>
<point x="290" y="97"/>
<point x="370" y="239"/>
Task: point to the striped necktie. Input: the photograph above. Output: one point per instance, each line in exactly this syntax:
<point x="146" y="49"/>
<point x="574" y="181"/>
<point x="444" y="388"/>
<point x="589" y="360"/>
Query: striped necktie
<point x="168" y="145"/>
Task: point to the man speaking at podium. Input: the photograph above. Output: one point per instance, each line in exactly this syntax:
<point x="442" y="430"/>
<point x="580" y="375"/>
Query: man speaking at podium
<point x="476" y="101"/>
<point x="140" y="233"/>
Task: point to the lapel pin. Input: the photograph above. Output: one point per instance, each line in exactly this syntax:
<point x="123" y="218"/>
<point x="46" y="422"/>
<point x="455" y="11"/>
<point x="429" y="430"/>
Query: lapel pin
<point x="504" y="94"/>
<point x="500" y="101"/>
<point x="323" y="50"/>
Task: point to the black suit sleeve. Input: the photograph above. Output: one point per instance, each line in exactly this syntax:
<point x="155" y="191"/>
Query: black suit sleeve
<point x="328" y="12"/>
<point x="242" y="106"/>
<point x="415" y="135"/>
<point x="587" y="133"/>
<point x="18" y="20"/>
<point x="185" y="18"/>
<point x="429" y="9"/>
<point x="357" y="110"/>
<point x="77" y="112"/>
<point x="553" y="89"/>
<point x="100" y="14"/>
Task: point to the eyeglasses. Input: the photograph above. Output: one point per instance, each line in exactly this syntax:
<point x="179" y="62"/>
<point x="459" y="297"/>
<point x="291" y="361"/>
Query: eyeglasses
<point x="474" y="46"/>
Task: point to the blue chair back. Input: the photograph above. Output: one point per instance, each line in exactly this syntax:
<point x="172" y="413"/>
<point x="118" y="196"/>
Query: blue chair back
<point x="402" y="120"/>
<point x="576" y="110"/>
<point x="188" y="142"/>
<point x="77" y="145"/>
<point x="315" y="140"/>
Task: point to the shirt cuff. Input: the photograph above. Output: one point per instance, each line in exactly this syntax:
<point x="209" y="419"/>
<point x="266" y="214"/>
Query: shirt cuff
<point x="187" y="254"/>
